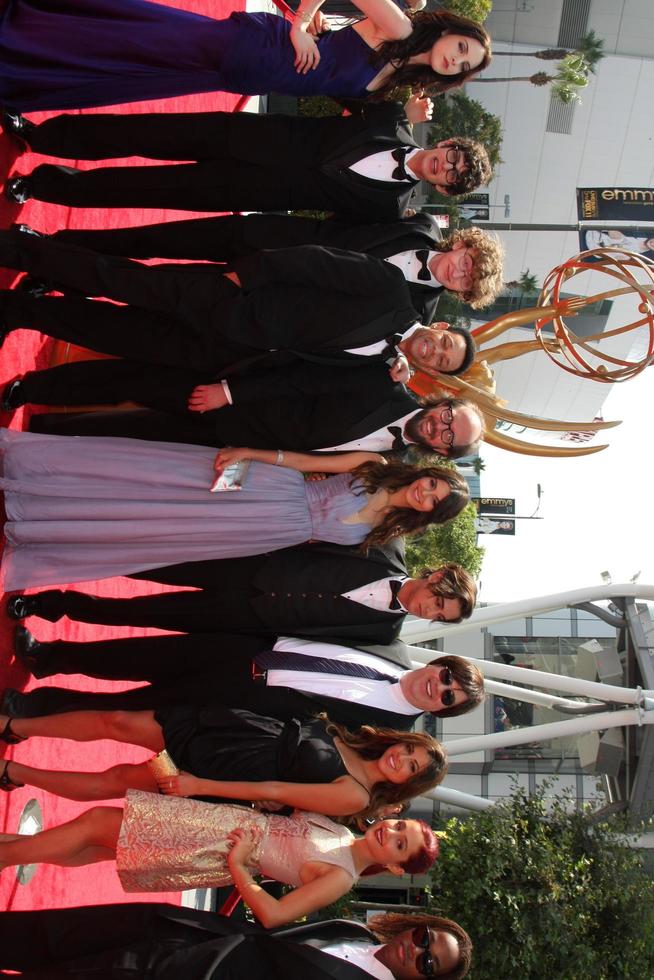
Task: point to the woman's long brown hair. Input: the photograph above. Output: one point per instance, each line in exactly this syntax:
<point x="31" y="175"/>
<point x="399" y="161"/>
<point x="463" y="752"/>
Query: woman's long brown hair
<point x="427" y="29"/>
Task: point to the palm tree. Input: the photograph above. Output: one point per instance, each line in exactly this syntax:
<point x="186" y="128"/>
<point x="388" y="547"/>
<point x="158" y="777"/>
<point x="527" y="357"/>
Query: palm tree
<point x="590" y="46"/>
<point x="528" y="282"/>
<point x="571" y="74"/>
<point x="478" y="465"/>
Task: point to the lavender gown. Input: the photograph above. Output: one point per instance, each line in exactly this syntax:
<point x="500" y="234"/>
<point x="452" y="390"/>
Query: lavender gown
<point x="74" y="54"/>
<point x="83" y="508"/>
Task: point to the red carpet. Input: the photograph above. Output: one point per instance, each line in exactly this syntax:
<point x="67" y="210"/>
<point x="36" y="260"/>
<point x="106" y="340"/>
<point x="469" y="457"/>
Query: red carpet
<point x="23" y="351"/>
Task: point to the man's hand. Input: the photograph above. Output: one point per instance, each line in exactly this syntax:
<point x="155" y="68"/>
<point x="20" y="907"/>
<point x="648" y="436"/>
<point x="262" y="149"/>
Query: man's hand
<point x="419" y="109"/>
<point x="182" y="785"/>
<point x="400" y="370"/>
<point x="233" y="276"/>
<point x="206" y="398"/>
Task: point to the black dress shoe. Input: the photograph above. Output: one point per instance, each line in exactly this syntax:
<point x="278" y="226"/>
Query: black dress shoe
<point x="30" y="653"/>
<point x="22" y="606"/>
<point x="32" y="286"/>
<point x="13" y="704"/>
<point x="24" y="229"/>
<point x="18" y="188"/>
<point x="17" y="125"/>
<point x="13" y="396"/>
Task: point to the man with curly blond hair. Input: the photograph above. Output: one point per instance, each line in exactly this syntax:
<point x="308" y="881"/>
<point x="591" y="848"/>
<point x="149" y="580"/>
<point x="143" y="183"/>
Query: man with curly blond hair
<point x="470" y="264"/>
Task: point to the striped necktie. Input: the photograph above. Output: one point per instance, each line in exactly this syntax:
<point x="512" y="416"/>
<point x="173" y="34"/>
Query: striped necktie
<point x="281" y="660"/>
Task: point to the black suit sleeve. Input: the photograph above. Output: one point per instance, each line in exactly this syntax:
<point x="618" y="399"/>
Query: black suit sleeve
<point x="307" y="379"/>
<point x="327" y="269"/>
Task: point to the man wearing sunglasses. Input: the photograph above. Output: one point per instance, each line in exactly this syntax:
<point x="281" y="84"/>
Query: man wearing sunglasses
<point x="154" y="941"/>
<point x="280" y="677"/>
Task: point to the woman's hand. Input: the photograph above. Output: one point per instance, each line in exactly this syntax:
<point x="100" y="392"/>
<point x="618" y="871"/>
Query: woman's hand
<point x="314" y="477"/>
<point x="228" y="456"/>
<point x="243" y="843"/>
<point x="184" y="784"/>
<point x="419" y="108"/>
<point x="205" y="398"/>
<point x="307" y="55"/>
<point x="319" y="24"/>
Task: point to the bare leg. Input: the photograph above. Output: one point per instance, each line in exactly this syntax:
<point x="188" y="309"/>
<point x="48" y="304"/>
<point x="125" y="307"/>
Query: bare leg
<point x="132" y="727"/>
<point x="92" y="854"/>
<point x="86" y="786"/>
<point x="98" y="827"/>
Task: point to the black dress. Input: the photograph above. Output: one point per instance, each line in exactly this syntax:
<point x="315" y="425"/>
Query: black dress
<point x="233" y="744"/>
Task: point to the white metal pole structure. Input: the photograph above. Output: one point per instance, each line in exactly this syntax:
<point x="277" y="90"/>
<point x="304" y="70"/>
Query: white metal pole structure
<point x="417" y="631"/>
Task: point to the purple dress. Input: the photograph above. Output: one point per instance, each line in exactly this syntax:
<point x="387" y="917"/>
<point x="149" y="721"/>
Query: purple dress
<point x="82" y="508"/>
<point x="76" y="54"/>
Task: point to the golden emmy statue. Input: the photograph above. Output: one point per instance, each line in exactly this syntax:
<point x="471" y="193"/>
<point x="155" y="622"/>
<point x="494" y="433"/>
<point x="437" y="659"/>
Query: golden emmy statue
<point x="569" y="352"/>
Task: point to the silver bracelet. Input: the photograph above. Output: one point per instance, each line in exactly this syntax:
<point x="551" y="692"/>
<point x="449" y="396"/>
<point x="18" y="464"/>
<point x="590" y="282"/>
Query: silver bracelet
<point x="280" y="458"/>
<point x="303" y="16"/>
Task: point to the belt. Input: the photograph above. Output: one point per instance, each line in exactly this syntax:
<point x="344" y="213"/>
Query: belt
<point x="259" y="676"/>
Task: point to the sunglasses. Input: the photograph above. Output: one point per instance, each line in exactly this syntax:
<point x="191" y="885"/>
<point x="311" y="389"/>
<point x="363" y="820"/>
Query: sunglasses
<point x="421" y="937"/>
<point x="446" y="678"/>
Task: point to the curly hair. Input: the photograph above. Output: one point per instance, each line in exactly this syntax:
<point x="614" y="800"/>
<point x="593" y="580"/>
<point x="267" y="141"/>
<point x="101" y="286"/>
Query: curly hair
<point x="477" y="169"/>
<point x="419" y="862"/>
<point x="487" y="266"/>
<point x="401" y="521"/>
<point x="371" y="743"/>
<point x="427" y="28"/>
<point x="390" y="924"/>
<point x="469" y="678"/>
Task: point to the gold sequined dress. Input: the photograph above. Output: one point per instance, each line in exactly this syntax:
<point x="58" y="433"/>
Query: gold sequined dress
<point x="168" y="843"/>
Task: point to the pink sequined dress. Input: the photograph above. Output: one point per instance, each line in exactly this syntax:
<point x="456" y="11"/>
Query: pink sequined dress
<point x="168" y="843"/>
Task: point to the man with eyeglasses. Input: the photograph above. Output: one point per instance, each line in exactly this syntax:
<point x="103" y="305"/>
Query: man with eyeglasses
<point x="279" y="677"/>
<point x="366" y="164"/>
<point x="154" y="941"/>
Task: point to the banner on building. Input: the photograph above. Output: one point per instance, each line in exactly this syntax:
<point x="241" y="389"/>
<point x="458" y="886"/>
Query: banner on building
<point x="640" y="240"/>
<point x="482" y="200"/>
<point x="489" y="506"/>
<point x="486" y="525"/>
<point x="615" y="203"/>
<point x="473" y="212"/>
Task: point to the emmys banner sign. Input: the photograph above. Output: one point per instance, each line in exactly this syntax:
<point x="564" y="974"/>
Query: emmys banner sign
<point x="615" y="204"/>
<point x="493" y="506"/>
<point x="639" y="240"/>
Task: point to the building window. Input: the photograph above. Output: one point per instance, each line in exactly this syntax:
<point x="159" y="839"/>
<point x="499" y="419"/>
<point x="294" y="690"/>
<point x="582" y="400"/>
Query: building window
<point x="574" y="22"/>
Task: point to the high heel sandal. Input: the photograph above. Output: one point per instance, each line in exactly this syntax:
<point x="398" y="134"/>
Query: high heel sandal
<point x="9" y="737"/>
<point x="7" y="785"/>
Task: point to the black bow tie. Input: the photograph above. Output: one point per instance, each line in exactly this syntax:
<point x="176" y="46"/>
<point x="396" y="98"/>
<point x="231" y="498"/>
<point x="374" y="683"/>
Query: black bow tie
<point x="398" y="441"/>
<point x="395" y="588"/>
<point x="422" y="254"/>
<point x="390" y="351"/>
<point x="400" y="171"/>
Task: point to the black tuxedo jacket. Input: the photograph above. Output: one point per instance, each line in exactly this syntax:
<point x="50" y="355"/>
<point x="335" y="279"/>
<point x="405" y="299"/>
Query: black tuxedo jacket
<point x="298" y="592"/>
<point x="147" y="941"/>
<point x="308" y="406"/>
<point x="308" y="160"/>
<point x="231" y="237"/>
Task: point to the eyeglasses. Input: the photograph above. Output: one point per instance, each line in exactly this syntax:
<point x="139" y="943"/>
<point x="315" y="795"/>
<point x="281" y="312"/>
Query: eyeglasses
<point x="421" y="937"/>
<point x="447" y="435"/>
<point x="446" y="677"/>
<point x="452" y="174"/>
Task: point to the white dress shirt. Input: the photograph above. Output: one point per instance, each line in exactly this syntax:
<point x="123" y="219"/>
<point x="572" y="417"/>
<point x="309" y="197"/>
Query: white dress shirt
<point x="361" y="954"/>
<point x="376" y="442"/>
<point x="356" y="690"/>
<point x="409" y="265"/>
<point x="379" y="345"/>
<point x="380" y="166"/>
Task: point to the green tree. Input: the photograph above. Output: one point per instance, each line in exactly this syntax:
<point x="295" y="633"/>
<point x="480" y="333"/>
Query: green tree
<point x="453" y="542"/>
<point x="474" y="9"/>
<point x="547" y="891"/>
<point x="478" y="465"/>
<point x="459" y="115"/>
<point x="590" y="46"/>
<point x="571" y="74"/>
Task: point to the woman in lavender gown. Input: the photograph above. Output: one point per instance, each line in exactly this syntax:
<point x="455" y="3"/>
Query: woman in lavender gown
<point x="71" y="54"/>
<point x="82" y="508"/>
